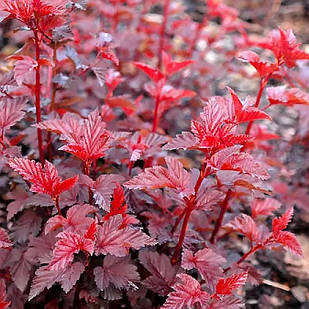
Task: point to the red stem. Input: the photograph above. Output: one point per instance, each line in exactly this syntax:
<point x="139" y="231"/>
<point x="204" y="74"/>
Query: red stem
<point x="263" y="83"/>
<point x="178" y="221"/>
<point x="162" y="32"/>
<point x="219" y="221"/>
<point x="245" y="256"/>
<point x="156" y="115"/>
<point x="87" y="167"/>
<point x="188" y="212"/>
<point x="56" y="200"/>
<point x="38" y="95"/>
<point x="190" y="207"/>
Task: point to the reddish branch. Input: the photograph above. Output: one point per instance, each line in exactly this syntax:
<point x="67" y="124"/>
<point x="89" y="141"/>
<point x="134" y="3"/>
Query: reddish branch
<point x="190" y="205"/>
<point x="219" y="221"/>
<point x="38" y="94"/>
<point x="162" y="32"/>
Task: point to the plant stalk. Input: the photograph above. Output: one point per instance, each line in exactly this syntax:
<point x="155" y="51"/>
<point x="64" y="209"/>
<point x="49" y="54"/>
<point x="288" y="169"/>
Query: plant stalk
<point x="219" y="221"/>
<point x="162" y="32"/>
<point x="187" y="213"/>
<point x="38" y="96"/>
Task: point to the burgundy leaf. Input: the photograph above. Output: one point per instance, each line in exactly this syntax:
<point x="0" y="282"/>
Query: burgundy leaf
<point x="69" y="278"/>
<point x="4" y="303"/>
<point x="5" y="241"/>
<point x="116" y="271"/>
<point x="208" y="263"/>
<point x="44" y="279"/>
<point x="163" y="273"/>
<point x="103" y="189"/>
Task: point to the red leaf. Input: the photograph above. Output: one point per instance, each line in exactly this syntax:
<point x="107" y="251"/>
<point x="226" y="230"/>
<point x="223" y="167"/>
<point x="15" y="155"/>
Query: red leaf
<point x="231" y="159"/>
<point x="175" y="177"/>
<point x="5" y="241"/>
<point x="69" y="127"/>
<point x="285" y="47"/>
<point x="245" y="225"/>
<point x="76" y="219"/>
<point x="44" y="279"/>
<point x="263" y="68"/>
<point x="282" y="222"/>
<point x="187" y="293"/>
<point x="46" y="180"/>
<point x="288" y="97"/>
<point x="207" y="262"/>
<point x="171" y="67"/>
<point x="93" y="139"/>
<point x="207" y="198"/>
<point x="290" y="241"/>
<point x="119" y="207"/>
<point x="65" y="185"/>
<point x="103" y="189"/>
<point x="227" y="285"/>
<point x="241" y="113"/>
<point x="163" y="273"/>
<point x="216" y="129"/>
<point x="3" y="302"/>
<point x="185" y="140"/>
<point x="65" y="248"/>
<point x="111" y="239"/>
<point x="264" y="207"/>
<point x="69" y="278"/>
<point x="154" y="74"/>
<point x="23" y="68"/>
<point x="107" y="53"/>
<point x="123" y="102"/>
<point x="116" y="271"/>
<point x="11" y="112"/>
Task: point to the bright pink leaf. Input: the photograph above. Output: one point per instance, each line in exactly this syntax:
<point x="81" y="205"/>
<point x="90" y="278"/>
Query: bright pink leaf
<point x="111" y="239"/>
<point x="65" y="248"/>
<point x="11" y="112"/>
<point x="175" y="177"/>
<point x="264" y="207"/>
<point x="187" y="294"/>
<point x="245" y="225"/>
<point x="207" y="262"/>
